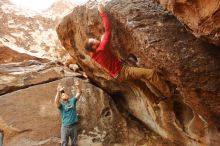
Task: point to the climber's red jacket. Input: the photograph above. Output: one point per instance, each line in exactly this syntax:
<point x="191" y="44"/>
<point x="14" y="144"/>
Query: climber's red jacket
<point x="103" y="54"/>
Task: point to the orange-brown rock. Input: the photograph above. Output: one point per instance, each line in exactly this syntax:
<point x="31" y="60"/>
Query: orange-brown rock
<point x="201" y="17"/>
<point x="19" y="75"/>
<point x="7" y="56"/>
<point x="191" y="66"/>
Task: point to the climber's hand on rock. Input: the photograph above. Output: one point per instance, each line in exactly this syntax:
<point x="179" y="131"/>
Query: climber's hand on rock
<point x="101" y="8"/>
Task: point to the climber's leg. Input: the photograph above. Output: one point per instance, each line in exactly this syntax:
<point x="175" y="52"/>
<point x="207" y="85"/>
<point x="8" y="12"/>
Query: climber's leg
<point x="150" y="75"/>
<point x="64" y="136"/>
<point x="73" y="135"/>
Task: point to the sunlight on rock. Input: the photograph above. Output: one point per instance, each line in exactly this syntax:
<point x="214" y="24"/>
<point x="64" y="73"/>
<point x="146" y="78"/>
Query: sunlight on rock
<point x="33" y="5"/>
<point x="41" y="5"/>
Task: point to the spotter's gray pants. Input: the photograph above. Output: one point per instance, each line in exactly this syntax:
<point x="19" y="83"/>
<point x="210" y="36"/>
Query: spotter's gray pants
<point x="69" y="131"/>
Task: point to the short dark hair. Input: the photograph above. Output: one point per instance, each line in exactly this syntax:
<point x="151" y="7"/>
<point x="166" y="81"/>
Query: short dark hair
<point x="88" y="46"/>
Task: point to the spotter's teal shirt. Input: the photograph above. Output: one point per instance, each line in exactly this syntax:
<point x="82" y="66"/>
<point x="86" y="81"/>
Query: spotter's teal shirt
<point x="68" y="112"/>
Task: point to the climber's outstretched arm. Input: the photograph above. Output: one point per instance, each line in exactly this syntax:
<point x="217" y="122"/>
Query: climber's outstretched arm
<point x="107" y="26"/>
<point x="58" y="95"/>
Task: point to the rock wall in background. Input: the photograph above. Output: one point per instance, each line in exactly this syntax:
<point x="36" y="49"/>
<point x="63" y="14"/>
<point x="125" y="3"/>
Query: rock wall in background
<point x="33" y="32"/>
<point x="190" y="66"/>
<point x="8" y="55"/>
<point x="201" y="17"/>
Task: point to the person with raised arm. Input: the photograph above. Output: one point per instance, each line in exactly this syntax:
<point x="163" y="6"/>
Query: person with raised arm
<point x="67" y="107"/>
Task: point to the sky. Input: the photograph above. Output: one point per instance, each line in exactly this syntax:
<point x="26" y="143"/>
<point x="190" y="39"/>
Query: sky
<point x="40" y="5"/>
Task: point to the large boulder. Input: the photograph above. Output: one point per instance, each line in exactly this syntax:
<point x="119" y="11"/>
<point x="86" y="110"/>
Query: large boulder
<point x="20" y="70"/>
<point x="201" y="17"/>
<point x="30" y="117"/>
<point x="19" y="75"/>
<point x="143" y="28"/>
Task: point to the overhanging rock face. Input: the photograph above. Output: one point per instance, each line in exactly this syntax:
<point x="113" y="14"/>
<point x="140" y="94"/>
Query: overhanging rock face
<point x="191" y="67"/>
<point x="200" y="16"/>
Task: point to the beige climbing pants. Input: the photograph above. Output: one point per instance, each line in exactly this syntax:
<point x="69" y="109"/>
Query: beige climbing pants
<point x="149" y="76"/>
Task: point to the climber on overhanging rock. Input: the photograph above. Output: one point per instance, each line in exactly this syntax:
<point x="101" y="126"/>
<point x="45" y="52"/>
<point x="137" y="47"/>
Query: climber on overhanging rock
<point x="101" y="53"/>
